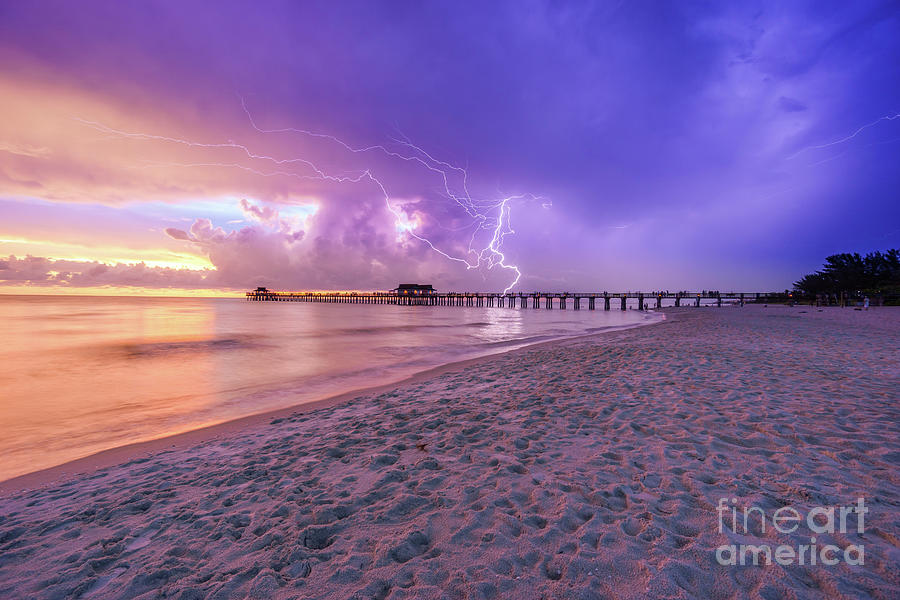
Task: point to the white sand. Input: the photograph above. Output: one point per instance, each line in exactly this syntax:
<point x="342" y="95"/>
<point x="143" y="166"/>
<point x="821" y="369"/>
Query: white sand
<point x="587" y="468"/>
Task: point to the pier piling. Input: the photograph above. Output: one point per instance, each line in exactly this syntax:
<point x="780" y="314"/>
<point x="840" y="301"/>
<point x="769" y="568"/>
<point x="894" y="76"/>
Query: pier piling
<point x="491" y="300"/>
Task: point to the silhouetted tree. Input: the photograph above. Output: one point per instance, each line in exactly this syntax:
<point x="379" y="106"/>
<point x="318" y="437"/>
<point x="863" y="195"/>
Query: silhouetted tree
<point x="876" y="273"/>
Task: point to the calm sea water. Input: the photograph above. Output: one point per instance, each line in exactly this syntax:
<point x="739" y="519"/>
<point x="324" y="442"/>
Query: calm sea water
<point x="83" y="374"/>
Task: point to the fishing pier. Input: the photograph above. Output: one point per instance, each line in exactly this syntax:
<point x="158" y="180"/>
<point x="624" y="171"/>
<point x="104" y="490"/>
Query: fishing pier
<point x="546" y="300"/>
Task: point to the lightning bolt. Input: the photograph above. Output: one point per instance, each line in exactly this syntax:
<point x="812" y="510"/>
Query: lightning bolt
<point x="487" y="215"/>
<point x="846" y="138"/>
<point x="497" y="241"/>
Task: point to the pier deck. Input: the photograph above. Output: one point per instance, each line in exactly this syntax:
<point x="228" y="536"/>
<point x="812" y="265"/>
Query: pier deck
<point x="547" y="300"/>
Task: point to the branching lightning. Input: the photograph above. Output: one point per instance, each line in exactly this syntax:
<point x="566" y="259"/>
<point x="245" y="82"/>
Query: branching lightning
<point x="846" y="138"/>
<point x="488" y="215"/>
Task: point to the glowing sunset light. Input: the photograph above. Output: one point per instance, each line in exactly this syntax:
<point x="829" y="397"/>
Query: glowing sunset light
<point x="61" y="290"/>
<point x="152" y="257"/>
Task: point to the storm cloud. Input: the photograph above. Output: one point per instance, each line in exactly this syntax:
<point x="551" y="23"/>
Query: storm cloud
<point x="649" y="144"/>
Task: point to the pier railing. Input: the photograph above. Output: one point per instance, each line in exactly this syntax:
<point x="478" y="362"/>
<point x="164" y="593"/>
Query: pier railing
<point x="547" y="300"/>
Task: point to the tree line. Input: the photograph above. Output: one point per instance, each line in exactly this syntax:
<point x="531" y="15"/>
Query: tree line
<point x="875" y="274"/>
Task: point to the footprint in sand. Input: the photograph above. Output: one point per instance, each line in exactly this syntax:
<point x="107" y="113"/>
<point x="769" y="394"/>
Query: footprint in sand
<point x="633" y="527"/>
<point x="140" y="541"/>
<point x="103" y="581"/>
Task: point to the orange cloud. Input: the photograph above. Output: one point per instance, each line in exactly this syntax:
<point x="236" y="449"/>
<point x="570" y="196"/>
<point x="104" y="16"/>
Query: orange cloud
<point x="56" y="143"/>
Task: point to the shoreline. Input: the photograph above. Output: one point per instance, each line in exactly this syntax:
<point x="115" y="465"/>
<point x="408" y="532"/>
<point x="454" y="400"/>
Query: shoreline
<point x="584" y="468"/>
<point x="177" y="441"/>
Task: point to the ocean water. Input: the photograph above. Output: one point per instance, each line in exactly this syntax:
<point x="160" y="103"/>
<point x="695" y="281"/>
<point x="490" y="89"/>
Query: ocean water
<point x="83" y="374"/>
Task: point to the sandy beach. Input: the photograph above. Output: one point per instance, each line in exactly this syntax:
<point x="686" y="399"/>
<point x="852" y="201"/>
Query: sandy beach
<point x="584" y="468"/>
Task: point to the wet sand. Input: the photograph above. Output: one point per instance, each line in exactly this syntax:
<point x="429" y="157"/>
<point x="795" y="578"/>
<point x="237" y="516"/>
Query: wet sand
<point x="585" y="468"/>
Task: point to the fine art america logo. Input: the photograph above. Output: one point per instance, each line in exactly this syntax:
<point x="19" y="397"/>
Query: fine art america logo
<point x="821" y="520"/>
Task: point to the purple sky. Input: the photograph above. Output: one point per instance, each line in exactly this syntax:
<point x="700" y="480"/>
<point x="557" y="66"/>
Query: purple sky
<point x="647" y="145"/>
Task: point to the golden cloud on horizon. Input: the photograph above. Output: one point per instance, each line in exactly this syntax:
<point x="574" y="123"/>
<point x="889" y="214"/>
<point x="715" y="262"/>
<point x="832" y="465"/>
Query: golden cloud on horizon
<point x="30" y="290"/>
<point x="108" y="255"/>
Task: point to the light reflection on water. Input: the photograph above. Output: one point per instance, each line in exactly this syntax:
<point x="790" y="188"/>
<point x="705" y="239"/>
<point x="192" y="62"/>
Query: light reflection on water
<point x="82" y="374"/>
